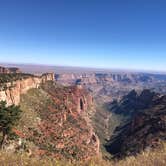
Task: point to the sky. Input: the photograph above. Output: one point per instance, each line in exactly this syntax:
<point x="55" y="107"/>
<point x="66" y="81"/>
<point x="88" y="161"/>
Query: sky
<point x="123" y="34"/>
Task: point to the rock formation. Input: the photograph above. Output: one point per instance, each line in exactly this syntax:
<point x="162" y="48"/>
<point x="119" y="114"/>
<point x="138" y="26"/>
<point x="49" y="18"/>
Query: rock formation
<point x="11" y="91"/>
<point x="114" y="85"/>
<point x="62" y="127"/>
<point x="146" y="127"/>
<point x="63" y="130"/>
<point x="4" y="70"/>
<point x="133" y="102"/>
<point x="99" y="78"/>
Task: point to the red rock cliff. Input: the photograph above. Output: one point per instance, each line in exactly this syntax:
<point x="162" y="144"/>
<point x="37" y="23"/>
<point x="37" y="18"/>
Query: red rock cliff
<point x="66" y="123"/>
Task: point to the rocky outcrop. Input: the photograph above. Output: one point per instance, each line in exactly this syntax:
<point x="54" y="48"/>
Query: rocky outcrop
<point x="64" y="130"/>
<point x="4" y="70"/>
<point x="14" y="70"/>
<point x="12" y="91"/>
<point x="133" y="102"/>
<point x="84" y="101"/>
<point x="146" y="127"/>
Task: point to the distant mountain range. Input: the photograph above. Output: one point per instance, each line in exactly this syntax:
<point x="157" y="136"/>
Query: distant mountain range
<point x="42" y="68"/>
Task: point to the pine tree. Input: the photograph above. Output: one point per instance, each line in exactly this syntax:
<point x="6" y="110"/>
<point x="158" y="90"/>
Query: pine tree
<point x="9" y="117"/>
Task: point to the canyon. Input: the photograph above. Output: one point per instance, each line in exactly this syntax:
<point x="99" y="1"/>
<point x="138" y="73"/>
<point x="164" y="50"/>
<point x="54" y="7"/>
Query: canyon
<point x="132" y="91"/>
<point x="80" y="115"/>
<point x="145" y="127"/>
<point x="113" y="85"/>
<point x="56" y="119"/>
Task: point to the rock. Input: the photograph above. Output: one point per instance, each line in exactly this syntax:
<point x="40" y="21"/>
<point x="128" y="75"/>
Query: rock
<point x="4" y="70"/>
<point x="146" y="126"/>
<point x="65" y="129"/>
<point x="11" y="94"/>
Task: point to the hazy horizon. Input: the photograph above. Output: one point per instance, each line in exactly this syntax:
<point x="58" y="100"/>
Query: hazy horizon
<point x="25" y="67"/>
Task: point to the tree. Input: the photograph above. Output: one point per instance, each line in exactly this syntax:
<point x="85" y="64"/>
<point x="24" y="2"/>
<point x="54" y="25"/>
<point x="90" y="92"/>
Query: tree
<point x="9" y="117"/>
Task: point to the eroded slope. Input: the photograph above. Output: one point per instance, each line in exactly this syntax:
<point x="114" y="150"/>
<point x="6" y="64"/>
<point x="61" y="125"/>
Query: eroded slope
<point x="55" y="122"/>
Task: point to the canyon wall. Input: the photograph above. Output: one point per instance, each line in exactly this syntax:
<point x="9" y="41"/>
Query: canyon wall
<point x="69" y="120"/>
<point x="113" y="85"/>
<point x="13" y="90"/>
<point x="84" y="100"/>
<point x="145" y="128"/>
<point x="4" y="70"/>
<point x="103" y="78"/>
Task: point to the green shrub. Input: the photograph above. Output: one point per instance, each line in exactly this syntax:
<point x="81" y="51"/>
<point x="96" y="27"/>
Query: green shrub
<point x="9" y="117"/>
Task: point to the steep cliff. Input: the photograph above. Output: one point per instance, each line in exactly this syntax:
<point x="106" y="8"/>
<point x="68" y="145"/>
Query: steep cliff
<point x="146" y="125"/>
<point x="56" y="122"/>
<point x="11" y="91"/>
<point x="112" y="85"/>
<point x="104" y="78"/>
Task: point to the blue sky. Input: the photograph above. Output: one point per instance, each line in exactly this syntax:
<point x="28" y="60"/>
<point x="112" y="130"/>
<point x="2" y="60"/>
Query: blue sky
<point x="129" y="34"/>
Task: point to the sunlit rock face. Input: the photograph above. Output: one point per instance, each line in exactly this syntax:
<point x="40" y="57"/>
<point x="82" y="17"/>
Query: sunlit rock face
<point x="12" y="90"/>
<point x="61" y="126"/>
<point x="112" y="85"/>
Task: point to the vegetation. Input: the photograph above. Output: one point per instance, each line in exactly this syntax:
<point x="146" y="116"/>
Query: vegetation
<point x="104" y="125"/>
<point x="44" y="114"/>
<point x="13" y="77"/>
<point x="9" y="117"/>
<point x="45" y="123"/>
<point x="149" y="158"/>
